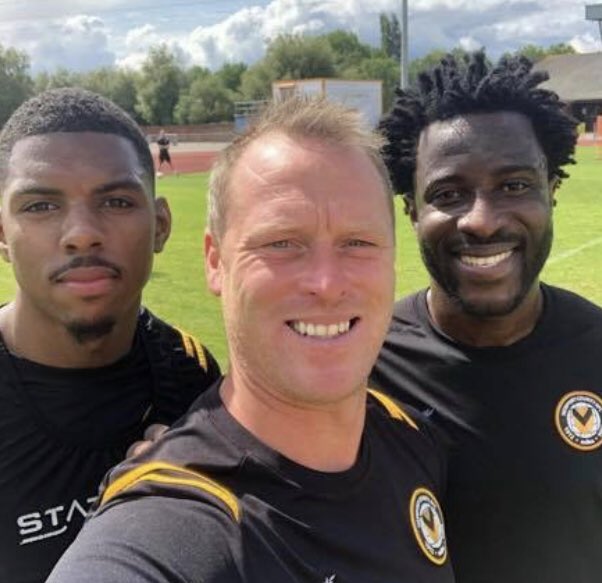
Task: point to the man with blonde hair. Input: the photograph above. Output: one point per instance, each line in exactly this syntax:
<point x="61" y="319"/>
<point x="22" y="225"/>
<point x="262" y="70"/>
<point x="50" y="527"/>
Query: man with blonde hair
<point x="289" y="469"/>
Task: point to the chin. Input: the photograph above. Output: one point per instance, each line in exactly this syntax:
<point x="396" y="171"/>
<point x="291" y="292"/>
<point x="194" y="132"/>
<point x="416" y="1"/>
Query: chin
<point x="91" y="329"/>
<point x="490" y="308"/>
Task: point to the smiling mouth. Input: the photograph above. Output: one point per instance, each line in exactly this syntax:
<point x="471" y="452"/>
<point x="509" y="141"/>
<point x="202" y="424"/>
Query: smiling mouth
<point x="322" y="330"/>
<point x="484" y="261"/>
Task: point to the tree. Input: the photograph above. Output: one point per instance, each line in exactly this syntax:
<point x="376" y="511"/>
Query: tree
<point x="118" y="85"/>
<point x="207" y="100"/>
<point x="158" y="86"/>
<point x="231" y="75"/>
<point x="390" y="36"/>
<point x="288" y="57"/>
<point x="15" y="83"/>
<point x="537" y="53"/>
<point x="347" y="49"/>
<point x="433" y="59"/>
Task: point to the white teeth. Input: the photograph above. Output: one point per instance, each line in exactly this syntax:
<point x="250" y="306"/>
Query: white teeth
<point x="321" y="330"/>
<point x="489" y="261"/>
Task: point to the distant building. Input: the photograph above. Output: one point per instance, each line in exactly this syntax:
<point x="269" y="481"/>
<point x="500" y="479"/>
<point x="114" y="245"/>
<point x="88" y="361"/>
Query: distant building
<point x="578" y="80"/>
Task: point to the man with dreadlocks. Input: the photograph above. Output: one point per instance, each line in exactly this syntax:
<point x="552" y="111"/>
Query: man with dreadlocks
<point x="509" y="367"/>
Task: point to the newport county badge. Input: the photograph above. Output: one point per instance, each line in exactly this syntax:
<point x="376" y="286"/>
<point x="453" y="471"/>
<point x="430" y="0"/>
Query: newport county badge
<point x="579" y="420"/>
<point x="428" y="526"/>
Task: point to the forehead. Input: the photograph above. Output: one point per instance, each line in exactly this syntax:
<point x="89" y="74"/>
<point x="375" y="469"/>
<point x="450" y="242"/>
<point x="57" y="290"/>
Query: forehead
<point x="73" y="156"/>
<point x="276" y="170"/>
<point x="487" y="141"/>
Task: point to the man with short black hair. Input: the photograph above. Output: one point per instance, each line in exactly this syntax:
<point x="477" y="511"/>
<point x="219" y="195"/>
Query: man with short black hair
<point x="83" y="368"/>
<point x="508" y="366"/>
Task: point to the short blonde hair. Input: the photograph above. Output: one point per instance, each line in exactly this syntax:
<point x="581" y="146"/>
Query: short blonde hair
<point x="296" y="117"/>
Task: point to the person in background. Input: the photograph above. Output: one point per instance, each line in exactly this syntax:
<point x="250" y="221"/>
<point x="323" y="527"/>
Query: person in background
<point x="164" y="156"/>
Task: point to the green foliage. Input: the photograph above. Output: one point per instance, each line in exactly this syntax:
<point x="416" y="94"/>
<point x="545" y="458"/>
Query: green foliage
<point x="299" y="57"/>
<point x="431" y="60"/>
<point x="288" y="57"/>
<point x="60" y="77"/>
<point x="158" y="86"/>
<point x="347" y="49"/>
<point x="390" y="36"/>
<point x="118" y="85"/>
<point x="166" y="92"/>
<point x="231" y="75"/>
<point x="15" y="83"/>
<point x="536" y="53"/>
<point x="208" y="99"/>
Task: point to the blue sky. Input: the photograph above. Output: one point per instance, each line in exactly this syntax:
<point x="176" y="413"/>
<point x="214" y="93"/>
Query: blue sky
<point x="83" y="34"/>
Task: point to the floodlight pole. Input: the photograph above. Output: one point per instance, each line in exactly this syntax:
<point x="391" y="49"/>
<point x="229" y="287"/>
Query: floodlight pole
<point x="403" y="61"/>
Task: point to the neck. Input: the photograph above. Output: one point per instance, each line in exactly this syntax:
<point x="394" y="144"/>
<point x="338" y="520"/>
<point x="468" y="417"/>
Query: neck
<point x="491" y="331"/>
<point x="323" y="437"/>
<point x="34" y="337"/>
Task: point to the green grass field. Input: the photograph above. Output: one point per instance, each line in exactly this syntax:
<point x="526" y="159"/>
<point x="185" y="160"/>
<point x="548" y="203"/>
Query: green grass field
<point x="177" y="290"/>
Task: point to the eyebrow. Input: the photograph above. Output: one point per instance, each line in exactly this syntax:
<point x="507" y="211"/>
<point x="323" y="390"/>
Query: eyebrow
<point x="439" y="177"/>
<point x="125" y="184"/>
<point x="34" y="189"/>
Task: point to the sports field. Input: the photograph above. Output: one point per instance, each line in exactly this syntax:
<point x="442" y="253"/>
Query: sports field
<point x="177" y="288"/>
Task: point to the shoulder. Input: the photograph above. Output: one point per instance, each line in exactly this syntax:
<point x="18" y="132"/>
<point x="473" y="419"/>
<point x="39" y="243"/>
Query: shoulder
<point x="175" y="465"/>
<point x="175" y="341"/>
<point x="568" y="311"/>
<point x="411" y="433"/>
<point x="413" y="426"/>
<point x="183" y="367"/>
<point x="148" y="540"/>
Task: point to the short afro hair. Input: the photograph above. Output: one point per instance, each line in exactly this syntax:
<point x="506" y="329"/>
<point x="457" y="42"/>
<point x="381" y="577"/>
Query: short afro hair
<point x="472" y="85"/>
<point x="72" y="110"/>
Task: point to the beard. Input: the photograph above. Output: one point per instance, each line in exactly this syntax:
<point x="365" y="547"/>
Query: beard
<point x="440" y="270"/>
<point x="84" y="332"/>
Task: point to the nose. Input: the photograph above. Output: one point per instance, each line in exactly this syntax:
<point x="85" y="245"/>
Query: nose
<point x="81" y="230"/>
<point x="482" y="218"/>
<point x="324" y="274"/>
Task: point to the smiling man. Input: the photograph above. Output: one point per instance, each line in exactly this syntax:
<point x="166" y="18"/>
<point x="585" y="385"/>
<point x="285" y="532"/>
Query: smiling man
<point x="289" y="470"/>
<point x="508" y="366"/>
<point x="84" y="369"/>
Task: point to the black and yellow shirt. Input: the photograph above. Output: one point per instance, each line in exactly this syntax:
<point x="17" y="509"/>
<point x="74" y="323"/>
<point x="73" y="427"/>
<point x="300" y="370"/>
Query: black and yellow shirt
<point x="524" y="424"/>
<point x="61" y="430"/>
<point x="211" y="503"/>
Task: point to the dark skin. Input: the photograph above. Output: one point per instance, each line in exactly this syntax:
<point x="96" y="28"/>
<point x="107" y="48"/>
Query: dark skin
<point x="483" y="217"/>
<point x="79" y="225"/>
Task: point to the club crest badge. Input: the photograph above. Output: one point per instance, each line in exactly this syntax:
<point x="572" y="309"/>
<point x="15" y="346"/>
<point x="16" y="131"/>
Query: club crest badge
<point x="428" y="525"/>
<point x="578" y="419"/>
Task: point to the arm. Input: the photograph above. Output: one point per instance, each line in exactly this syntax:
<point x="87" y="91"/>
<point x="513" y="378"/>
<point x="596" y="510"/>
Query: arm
<point x="154" y="540"/>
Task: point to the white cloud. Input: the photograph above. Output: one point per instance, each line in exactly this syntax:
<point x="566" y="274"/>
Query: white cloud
<point x="122" y="32"/>
<point x="586" y="43"/>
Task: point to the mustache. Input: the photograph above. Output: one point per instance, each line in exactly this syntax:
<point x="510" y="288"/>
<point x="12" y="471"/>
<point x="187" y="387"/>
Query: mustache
<point x="85" y="261"/>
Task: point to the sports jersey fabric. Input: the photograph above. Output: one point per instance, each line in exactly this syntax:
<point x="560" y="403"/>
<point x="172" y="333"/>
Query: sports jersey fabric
<point x="61" y="430"/>
<point x="211" y="503"/>
<point x="524" y="429"/>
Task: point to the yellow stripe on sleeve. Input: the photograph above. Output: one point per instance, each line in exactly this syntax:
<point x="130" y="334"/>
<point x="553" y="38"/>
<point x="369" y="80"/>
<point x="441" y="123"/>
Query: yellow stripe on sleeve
<point x="154" y="472"/>
<point x="393" y="408"/>
<point x="193" y="348"/>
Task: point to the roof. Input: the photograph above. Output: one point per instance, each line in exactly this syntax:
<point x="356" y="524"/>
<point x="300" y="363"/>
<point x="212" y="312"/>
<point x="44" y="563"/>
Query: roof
<point x="575" y="77"/>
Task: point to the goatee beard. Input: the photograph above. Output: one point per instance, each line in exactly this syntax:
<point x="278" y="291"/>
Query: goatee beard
<point x="84" y="332"/>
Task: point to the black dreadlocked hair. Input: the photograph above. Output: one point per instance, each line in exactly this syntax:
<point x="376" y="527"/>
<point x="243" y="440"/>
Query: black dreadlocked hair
<point x="72" y="110"/>
<point x="472" y="85"/>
